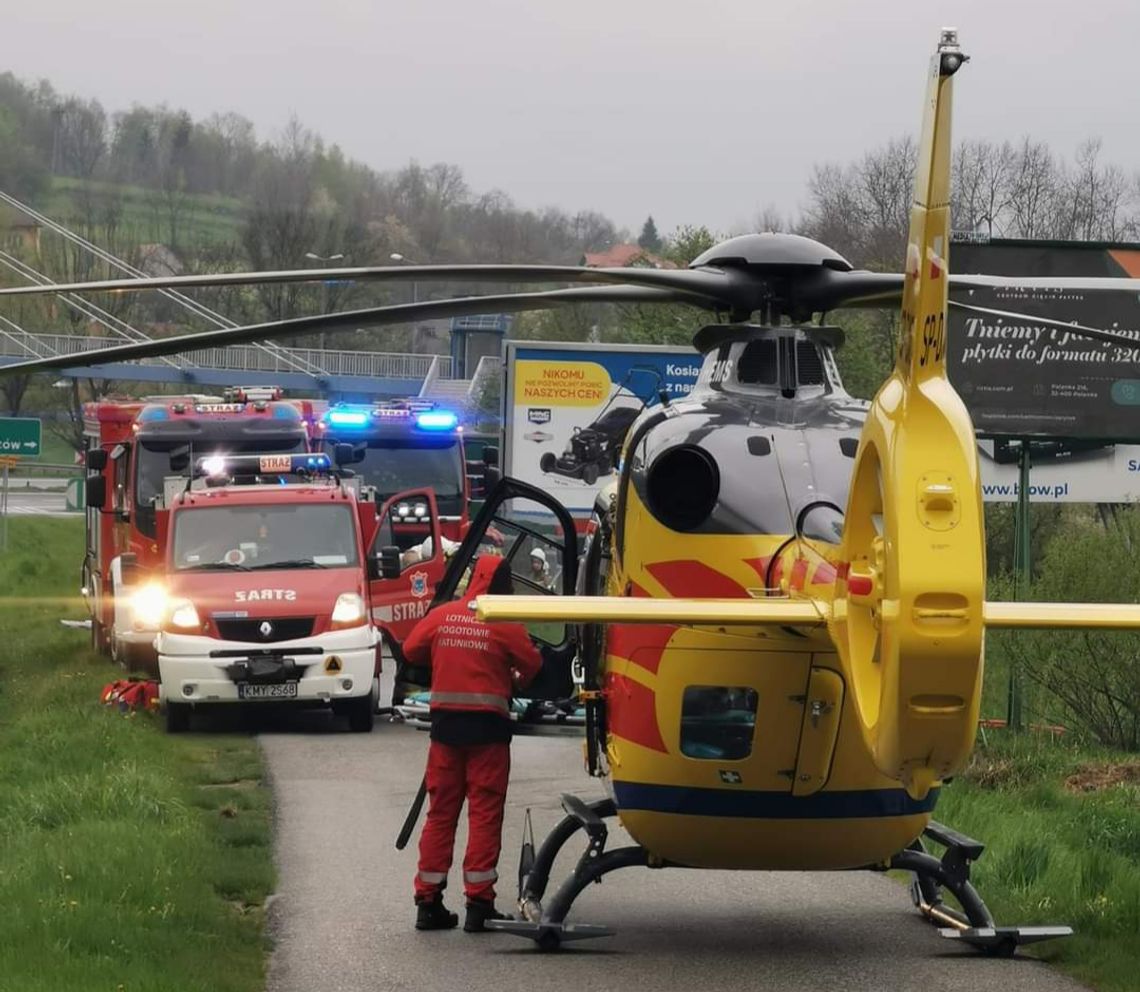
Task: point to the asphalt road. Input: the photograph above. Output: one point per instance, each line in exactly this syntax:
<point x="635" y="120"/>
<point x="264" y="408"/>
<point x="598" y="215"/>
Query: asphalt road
<point x="342" y="917"/>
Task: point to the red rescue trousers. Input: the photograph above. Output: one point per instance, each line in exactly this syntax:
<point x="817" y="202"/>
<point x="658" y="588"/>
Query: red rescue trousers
<point x="479" y="773"/>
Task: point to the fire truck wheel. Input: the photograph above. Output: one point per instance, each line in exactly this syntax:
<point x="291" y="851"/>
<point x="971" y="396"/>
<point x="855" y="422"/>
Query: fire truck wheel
<point x="360" y="714"/>
<point x="177" y="718"/>
<point x="100" y="643"/>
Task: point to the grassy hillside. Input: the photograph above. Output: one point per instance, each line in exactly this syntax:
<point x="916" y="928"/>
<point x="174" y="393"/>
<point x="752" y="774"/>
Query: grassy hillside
<point x="202" y="220"/>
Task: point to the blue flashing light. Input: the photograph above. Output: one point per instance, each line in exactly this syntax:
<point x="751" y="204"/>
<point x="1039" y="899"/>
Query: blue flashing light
<point x="348" y="418"/>
<point x="153" y="413"/>
<point x="437" y="420"/>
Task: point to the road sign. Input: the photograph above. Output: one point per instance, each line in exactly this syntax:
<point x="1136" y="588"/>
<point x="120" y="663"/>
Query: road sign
<point x="20" y="436"/>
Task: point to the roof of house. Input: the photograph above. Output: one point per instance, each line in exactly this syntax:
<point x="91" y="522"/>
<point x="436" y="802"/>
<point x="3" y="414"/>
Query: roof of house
<point x="622" y="256"/>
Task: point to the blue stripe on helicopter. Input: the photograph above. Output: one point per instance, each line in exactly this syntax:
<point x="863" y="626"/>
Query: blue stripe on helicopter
<point x="770" y="805"/>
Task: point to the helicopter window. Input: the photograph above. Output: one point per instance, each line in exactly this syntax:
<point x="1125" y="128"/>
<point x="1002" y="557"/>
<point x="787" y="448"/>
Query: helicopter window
<point x="718" y="722"/>
<point x="757" y="364"/>
<point x="809" y="367"/>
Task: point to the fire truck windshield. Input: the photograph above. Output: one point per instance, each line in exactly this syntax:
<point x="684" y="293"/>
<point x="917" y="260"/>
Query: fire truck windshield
<point x="394" y="465"/>
<point x="255" y="538"/>
<point x="161" y="459"/>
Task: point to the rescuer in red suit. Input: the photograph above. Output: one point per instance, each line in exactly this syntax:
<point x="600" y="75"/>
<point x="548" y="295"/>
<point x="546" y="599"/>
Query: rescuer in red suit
<point x="474" y="666"/>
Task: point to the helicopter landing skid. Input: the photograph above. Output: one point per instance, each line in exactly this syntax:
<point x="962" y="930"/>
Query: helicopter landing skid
<point x="973" y="923"/>
<point x="547" y="926"/>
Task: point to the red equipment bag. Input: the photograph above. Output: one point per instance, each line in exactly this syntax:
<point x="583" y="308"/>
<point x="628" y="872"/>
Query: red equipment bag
<point x="131" y="694"/>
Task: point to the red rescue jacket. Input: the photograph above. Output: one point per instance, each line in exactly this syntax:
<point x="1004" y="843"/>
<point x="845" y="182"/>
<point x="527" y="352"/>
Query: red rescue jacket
<point x="471" y="661"/>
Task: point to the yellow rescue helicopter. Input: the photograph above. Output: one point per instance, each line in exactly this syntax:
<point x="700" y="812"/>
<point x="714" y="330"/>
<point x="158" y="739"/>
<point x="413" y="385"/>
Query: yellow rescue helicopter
<point x="781" y="604"/>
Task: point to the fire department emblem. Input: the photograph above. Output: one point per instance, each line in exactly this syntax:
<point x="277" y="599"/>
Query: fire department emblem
<point x="419" y="584"/>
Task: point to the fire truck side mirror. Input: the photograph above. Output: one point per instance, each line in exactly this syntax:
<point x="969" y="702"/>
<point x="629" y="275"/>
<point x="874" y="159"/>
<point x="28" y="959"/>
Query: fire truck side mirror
<point x="343" y="454"/>
<point x="96" y="494"/>
<point x="389" y="560"/>
<point x="95" y="460"/>
<point x="491" y="456"/>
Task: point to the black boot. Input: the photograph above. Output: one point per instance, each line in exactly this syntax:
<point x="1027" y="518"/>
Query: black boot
<point x="432" y="914"/>
<point x="478" y="913"/>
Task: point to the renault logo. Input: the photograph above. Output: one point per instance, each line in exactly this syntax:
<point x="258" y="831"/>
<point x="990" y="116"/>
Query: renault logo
<point x="266" y="628"/>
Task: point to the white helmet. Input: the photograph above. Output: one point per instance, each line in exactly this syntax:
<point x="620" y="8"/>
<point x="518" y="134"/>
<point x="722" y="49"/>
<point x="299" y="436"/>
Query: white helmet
<point x="539" y="554"/>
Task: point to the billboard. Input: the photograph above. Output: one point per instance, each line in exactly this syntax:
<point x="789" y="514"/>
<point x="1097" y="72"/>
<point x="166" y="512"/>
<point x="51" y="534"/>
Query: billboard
<point x="1022" y="378"/>
<point x="567" y="408"/>
<point x="1063" y="473"/>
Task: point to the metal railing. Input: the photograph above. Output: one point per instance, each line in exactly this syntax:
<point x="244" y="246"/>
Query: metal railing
<point x="246" y="358"/>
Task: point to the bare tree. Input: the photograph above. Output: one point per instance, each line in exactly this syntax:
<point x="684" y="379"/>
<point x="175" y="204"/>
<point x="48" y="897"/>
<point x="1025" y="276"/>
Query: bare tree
<point x="1033" y="189"/>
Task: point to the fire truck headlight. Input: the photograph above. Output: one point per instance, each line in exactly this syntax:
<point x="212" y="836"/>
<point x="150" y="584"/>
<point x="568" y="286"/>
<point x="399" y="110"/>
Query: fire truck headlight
<point x="183" y="615"/>
<point x="349" y="610"/>
<point x="420" y="510"/>
<point x="214" y="465"/>
<point x="148" y="607"/>
<point x="403" y="509"/>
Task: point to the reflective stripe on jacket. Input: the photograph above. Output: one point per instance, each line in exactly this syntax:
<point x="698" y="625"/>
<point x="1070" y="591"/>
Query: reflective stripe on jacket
<point x="471" y="661"/>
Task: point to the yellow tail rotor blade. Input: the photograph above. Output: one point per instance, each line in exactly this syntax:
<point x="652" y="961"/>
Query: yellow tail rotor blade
<point x="622" y="609"/>
<point x="1062" y="616"/>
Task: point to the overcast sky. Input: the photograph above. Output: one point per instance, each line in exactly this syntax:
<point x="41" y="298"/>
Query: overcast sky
<point x="697" y="111"/>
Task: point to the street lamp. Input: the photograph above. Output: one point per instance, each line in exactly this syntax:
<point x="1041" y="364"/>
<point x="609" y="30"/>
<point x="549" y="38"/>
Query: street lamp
<point x="397" y="257"/>
<point x="313" y="256"/>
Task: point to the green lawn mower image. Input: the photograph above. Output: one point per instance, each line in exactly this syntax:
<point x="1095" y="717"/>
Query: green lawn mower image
<point x="593" y="451"/>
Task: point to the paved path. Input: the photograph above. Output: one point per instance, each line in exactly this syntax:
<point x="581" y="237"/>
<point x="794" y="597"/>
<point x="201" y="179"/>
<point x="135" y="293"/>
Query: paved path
<point x="343" y="915"/>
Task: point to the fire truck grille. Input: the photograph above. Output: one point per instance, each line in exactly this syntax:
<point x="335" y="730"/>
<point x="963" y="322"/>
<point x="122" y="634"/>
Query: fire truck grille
<point x="264" y="630"/>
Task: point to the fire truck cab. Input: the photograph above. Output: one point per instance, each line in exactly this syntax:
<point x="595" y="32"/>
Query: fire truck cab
<point x="138" y="453"/>
<point x="401" y="444"/>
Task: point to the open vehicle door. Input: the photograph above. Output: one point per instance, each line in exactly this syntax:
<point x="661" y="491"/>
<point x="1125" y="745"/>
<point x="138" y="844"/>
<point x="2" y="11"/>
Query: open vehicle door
<point x="536" y="534"/>
<point x="405" y="562"/>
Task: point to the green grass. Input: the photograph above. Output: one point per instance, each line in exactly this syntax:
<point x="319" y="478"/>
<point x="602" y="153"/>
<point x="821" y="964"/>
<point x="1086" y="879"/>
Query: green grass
<point x="131" y="860"/>
<point x="1057" y="854"/>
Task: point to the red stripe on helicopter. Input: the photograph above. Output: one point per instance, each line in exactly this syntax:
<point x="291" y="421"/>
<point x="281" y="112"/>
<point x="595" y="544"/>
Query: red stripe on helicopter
<point x="631" y="712"/>
<point x="799" y="573"/>
<point x="642" y="644"/>
<point x="824" y="575"/>
<point x="695" y="579"/>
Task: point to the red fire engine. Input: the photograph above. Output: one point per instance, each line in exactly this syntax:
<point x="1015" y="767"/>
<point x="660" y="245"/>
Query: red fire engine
<point x="140" y="452"/>
<point x="271" y="564"/>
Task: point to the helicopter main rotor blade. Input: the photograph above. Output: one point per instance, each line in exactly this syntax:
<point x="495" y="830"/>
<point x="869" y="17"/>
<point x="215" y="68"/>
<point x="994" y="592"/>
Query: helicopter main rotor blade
<point x="1080" y="330"/>
<point x="371" y="317"/>
<point x="712" y="283"/>
<point x="628" y="609"/>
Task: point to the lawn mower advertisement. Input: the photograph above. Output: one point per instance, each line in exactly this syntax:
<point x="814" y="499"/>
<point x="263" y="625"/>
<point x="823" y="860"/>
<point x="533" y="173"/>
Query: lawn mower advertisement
<point x="569" y="408"/>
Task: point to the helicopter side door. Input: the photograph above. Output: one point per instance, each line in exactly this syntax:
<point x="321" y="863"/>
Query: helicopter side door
<point x="536" y="534"/>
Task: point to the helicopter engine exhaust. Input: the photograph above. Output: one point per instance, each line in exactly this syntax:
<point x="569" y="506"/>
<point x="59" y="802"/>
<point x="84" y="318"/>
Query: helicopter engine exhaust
<point x="682" y="487"/>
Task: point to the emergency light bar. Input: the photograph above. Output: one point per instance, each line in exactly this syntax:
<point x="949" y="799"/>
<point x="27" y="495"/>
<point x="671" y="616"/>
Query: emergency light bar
<point x="421" y="414"/>
<point x="220" y="466"/>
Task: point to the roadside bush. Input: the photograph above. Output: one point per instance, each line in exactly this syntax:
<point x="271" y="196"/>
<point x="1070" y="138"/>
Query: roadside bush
<point x="1094" y="675"/>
